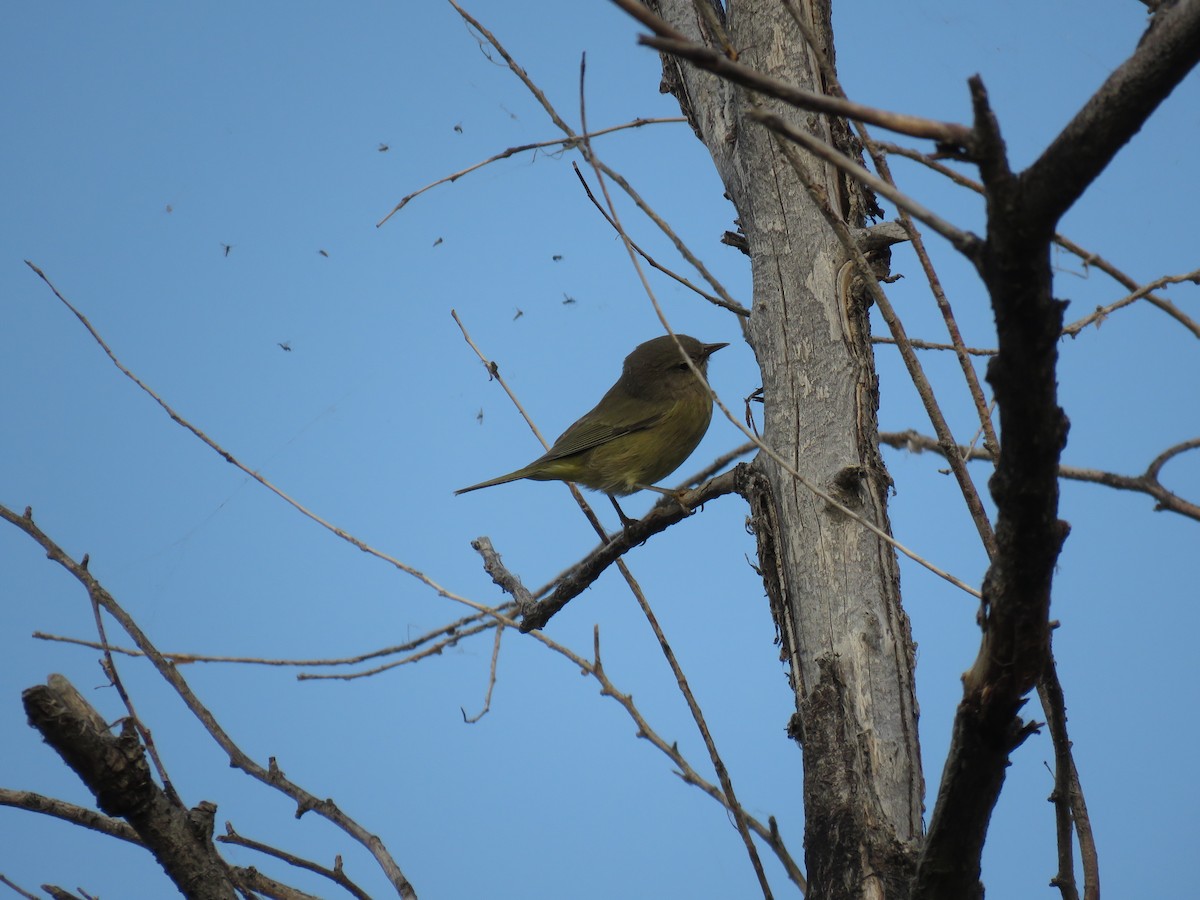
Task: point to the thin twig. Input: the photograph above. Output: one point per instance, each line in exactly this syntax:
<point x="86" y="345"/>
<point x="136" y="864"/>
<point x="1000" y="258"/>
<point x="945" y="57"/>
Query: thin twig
<point x="1102" y="312"/>
<point x="686" y="771"/>
<point x="507" y="582"/>
<point x="434" y="649"/>
<point x="669" y="40"/>
<point x="18" y="889"/>
<point x="70" y="812"/>
<point x="1068" y="794"/>
<point x="566" y="143"/>
<point x="929" y="345"/>
<point x="931" y="161"/>
<point x="1064" y="879"/>
<point x="740" y="816"/>
<point x="693" y="260"/>
<point x="1170" y="453"/>
<point x="337" y="874"/>
<point x="498" y="615"/>
<point x="487" y="700"/>
<point x="1146" y="483"/>
<point x="440" y="639"/>
<point x="1126" y="281"/>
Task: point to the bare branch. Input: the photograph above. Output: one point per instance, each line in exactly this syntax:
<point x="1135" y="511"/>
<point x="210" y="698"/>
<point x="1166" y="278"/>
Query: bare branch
<point x="670" y="41"/>
<point x="433" y="642"/>
<point x="565" y="143"/>
<point x="337" y="874"/>
<point x="493" y="565"/>
<point x="487" y="700"/>
<point x="1094" y="259"/>
<point x="929" y="345"/>
<point x="1146" y="483"/>
<point x="1069" y="806"/>
<point x="24" y="893"/>
<point x="497" y="616"/>
<point x="1167" y="52"/>
<point x="662" y="516"/>
<point x="1170" y="453"/>
<point x="1014" y="263"/>
<point x="115" y="770"/>
<point x="69" y="812"/>
<point x="1102" y="312"/>
<point x="506" y="580"/>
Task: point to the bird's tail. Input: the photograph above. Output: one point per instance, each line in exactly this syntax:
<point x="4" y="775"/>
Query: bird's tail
<point x="503" y="479"/>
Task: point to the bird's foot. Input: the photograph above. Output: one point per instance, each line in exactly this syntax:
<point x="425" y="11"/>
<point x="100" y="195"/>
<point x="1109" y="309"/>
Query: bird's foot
<point x="625" y="520"/>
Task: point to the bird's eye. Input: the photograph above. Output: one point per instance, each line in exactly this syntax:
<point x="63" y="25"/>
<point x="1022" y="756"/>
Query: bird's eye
<point x="682" y="367"/>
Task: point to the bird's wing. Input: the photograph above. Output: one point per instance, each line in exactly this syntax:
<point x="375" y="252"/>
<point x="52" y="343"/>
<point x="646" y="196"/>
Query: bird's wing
<point x="586" y="434"/>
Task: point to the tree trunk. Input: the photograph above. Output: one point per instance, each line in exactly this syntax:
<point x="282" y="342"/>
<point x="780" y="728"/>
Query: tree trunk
<point x="833" y="585"/>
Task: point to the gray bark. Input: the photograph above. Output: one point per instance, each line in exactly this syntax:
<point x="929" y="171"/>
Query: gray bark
<point x="834" y="586"/>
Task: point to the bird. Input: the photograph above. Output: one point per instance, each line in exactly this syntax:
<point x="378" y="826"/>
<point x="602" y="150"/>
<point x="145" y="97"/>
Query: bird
<point x="641" y="431"/>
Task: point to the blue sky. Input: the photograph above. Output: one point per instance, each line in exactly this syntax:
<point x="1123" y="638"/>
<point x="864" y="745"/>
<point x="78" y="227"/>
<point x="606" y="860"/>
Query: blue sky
<point x="140" y="139"/>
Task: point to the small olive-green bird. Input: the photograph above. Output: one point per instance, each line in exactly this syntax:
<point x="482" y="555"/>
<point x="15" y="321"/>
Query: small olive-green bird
<point x="642" y="430"/>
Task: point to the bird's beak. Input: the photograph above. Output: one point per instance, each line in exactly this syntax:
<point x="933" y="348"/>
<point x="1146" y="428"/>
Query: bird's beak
<point x="709" y="349"/>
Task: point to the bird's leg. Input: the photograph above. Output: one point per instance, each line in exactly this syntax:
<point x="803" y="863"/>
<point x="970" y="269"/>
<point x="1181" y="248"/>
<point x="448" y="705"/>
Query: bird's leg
<point x="676" y="495"/>
<point x="625" y="520"/>
<point x="667" y="492"/>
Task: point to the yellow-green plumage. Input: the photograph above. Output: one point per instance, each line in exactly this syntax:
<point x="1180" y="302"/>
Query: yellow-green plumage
<point x="642" y="430"/>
